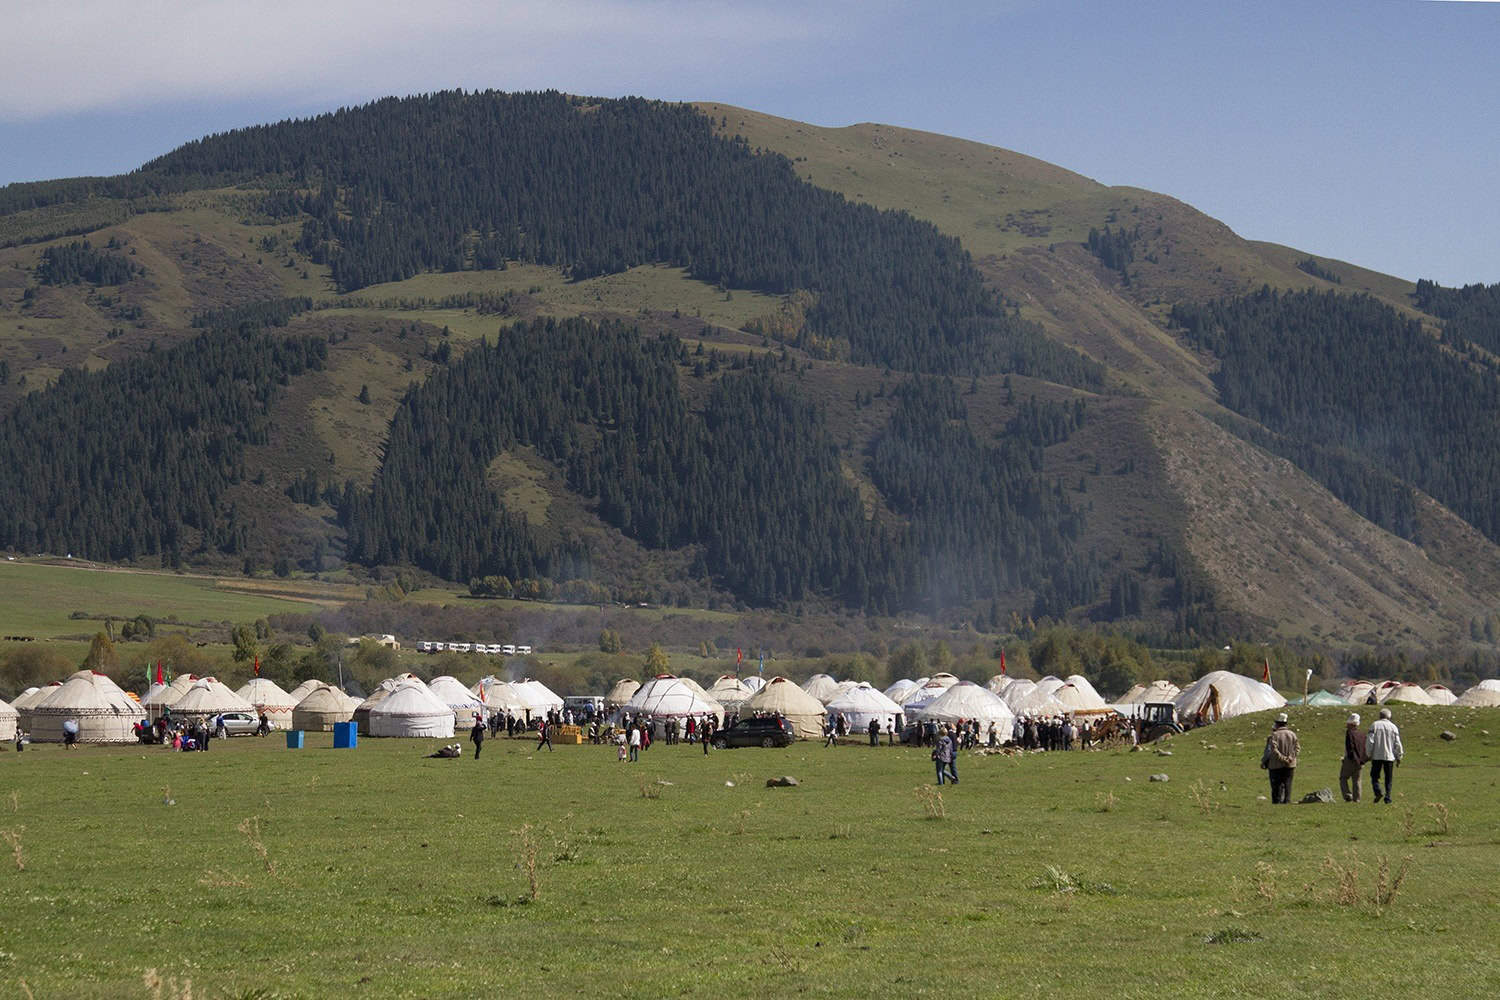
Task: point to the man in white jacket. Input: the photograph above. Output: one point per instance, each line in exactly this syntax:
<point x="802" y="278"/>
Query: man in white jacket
<point x="1383" y="746"/>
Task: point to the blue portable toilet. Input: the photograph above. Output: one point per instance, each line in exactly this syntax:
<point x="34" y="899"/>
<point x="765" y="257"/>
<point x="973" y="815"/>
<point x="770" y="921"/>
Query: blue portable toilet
<point x="294" y="739"/>
<point x="345" y="735"/>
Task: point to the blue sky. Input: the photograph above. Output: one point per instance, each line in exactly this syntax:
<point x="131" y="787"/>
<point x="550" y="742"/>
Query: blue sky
<point x="1368" y="132"/>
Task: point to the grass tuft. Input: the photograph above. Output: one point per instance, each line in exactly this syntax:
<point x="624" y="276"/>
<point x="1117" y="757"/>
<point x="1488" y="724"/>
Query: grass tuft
<point x="932" y="802"/>
<point x="1055" y="879"/>
<point x="1231" y="935"/>
<point x="14" y="839"/>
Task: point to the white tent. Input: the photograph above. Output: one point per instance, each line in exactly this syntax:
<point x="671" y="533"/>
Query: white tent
<point x="168" y="696"/>
<point x="782" y="697"/>
<point x="9" y="719"/>
<point x="1479" y="697"/>
<point x="1074" y="698"/>
<point x="500" y="696"/>
<point x="538" y="696"/>
<point x="997" y="683"/>
<point x="266" y="695"/>
<point x="320" y="708"/>
<point x="862" y="703"/>
<point x="304" y="689"/>
<point x="822" y="687"/>
<point x="1050" y="683"/>
<point x="917" y="697"/>
<point x="730" y="691"/>
<point x="754" y="682"/>
<point x="460" y="699"/>
<point x="965" y="701"/>
<point x="411" y="710"/>
<point x="1013" y="689"/>
<point x="1089" y="692"/>
<point x="1489" y="684"/>
<point x="621" y="692"/>
<point x="104" y="713"/>
<point x="208" y="697"/>
<point x="1440" y="694"/>
<point x="667" y="697"/>
<point x="28" y="699"/>
<point x="1411" y="694"/>
<point x="899" y="689"/>
<point x="1156" y="692"/>
<point x="381" y="693"/>
<point x="1355" y="692"/>
<point x="1236" y="694"/>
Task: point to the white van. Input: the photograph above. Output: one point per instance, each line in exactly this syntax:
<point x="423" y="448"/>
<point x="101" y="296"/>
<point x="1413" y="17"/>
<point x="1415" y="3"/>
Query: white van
<point x="523" y="650"/>
<point x="508" y="650"/>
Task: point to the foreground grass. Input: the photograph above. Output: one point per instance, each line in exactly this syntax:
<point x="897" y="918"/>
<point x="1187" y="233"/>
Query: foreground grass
<point x="377" y="871"/>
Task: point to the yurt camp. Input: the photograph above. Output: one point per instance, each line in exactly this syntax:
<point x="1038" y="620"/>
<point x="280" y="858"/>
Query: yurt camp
<point x="8" y="720"/>
<point x="103" y="712"/>
<point x="861" y="704"/>
<point x="782" y="697"/>
<point x="1220" y="694"/>
<point x="320" y="708"/>
<point x="265" y="695"/>
<point x="666" y="696"/>
<point x="411" y="710"/>
<point x="206" y="698"/>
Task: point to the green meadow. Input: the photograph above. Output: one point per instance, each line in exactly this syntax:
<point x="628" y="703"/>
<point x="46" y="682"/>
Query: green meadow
<point x="258" y="871"/>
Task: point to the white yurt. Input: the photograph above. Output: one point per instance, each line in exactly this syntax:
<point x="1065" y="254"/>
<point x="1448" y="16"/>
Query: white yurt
<point x="1440" y="694"/>
<point x="502" y="697"/>
<point x="206" y="698"/>
<point x="899" y="689"/>
<point x="105" y="714"/>
<point x="538" y="695"/>
<point x="381" y="693"/>
<point x="265" y="695"/>
<point x="1355" y="692"/>
<point x="862" y="703"/>
<point x="782" y="697"/>
<point x="28" y="699"/>
<point x="1013" y="689"/>
<point x="320" y="708"/>
<point x="730" y="692"/>
<point x="754" y="682"/>
<point x="306" y="688"/>
<point x="1156" y="692"/>
<point x="9" y="719"/>
<point x="966" y="700"/>
<point x="667" y="697"/>
<point x="1411" y="694"/>
<point x="1050" y="683"/>
<point x="1035" y="702"/>
<point x="153" y="691"/>
<point x="1089" y="691"/>
<point x="822" y="687"/>
<point x="451" y="692"/>
<point x="1074" y="698"/>
<point x="1236" y="694"/>
<point x="917" y="697"/>
<point x="1478" y="697"/>
<point x="1489" y="684"/>
<point x="411" y="710"/>
<point x="620" y="693"/>
<point x="997" y="683"/>
<point x="168" y="696"/>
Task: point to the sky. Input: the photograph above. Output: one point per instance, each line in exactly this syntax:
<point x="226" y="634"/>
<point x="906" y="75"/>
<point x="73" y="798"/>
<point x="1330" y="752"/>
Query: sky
<point x="1363" y="131"/>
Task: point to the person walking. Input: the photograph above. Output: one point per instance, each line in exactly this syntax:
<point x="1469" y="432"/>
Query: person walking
<point x="476" y="735"/>
<point x="1280" y="759"/>
<point x="874" y="730"/>
<point x="942" y="756"/>
<point x="1352" y="766"/>
<point x="1383" y="744"/>
<point x="635" y="743"/>
<point x="544" y="735"/>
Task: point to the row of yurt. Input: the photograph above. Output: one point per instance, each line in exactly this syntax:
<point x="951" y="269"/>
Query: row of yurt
<point x="103" y="712"/>
<point x="862" y="704"/>
<point x="667" y="697"/>
<point x="321" y="706"/>
<point x="783" y="697"/>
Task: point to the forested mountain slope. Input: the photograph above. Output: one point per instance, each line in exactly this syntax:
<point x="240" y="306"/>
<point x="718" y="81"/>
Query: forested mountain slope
<point x="608" y="349"/>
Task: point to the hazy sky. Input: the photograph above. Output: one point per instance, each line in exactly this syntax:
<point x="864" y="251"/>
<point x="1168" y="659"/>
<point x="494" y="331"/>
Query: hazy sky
<point x="1365" y="131"/>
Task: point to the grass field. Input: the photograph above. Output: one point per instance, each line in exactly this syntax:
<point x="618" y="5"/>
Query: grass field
<point x="258" y="871"/>
<point x="40" y="597"/>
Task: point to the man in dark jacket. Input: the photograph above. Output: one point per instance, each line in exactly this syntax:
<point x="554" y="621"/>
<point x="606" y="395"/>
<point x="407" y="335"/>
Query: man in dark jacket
<point x="1280" y="759"/>
<point x="1354" y="760"/>
<point x="477" y="735"/>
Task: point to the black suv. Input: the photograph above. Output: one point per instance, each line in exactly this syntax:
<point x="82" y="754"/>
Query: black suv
<point x="758" y="731"/>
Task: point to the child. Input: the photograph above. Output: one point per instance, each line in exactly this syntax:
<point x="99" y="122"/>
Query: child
<point x="620" y="746"/>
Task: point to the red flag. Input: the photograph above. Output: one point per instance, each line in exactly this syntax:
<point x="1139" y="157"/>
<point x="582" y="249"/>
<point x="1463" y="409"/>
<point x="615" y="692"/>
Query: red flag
<point x="739" y="656"/>
<point x="1002" y="662"/>
<point x="158" y="673"/>
<point x="257" y="666"/>
<point x="1265" y="677"/>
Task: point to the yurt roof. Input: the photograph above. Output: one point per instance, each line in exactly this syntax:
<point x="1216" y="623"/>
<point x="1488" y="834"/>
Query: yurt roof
<point x="1320" y="699"/>
<point x="1074" y="698"/>
<point x="305" y="688"/>
<point x="1238" y="695"/>
<point x="864" y="699"/>
<point x="1034" y="701"/>
<point x="502" y="697"/>
<point x="1082" y="684"/>
<point x="666" y="695"/>
<point x="997" y="683"/>
<point x="262" y="692"/>
<point x="1479" y="697"/>
<point x="784" y="696"/>
<point x="451" y="692"/>
<point x="324" y="698"/>
<point x="1489" y="684"/>
<point x="1411" y="694"/>
<point x="34" y="695"/>
<point x="410" y="698"/>
<point x="152" y="690"/>
<point x="169" y="696"/>
<point x="86" y="692"/>
<point x="943" y="678"/>
<point x="754" y="682"/>
<point x="902" y="686"/>
<point x="1441" y="694"/>
<point x="621" y="692"/>
<point x="538" y="694"/>
<point x="1155" y="692"/>
<point x="967" y="700"/>
<point x="730" y="690"/>
<point x="1050" y="683"/>
<point x="209" y="696"/>
<point x="6" y="711"/>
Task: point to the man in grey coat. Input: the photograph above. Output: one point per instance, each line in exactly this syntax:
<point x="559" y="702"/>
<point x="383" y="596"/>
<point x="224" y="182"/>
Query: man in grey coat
<point x="1280" y="759"/>
<point x="1383" y="744"/>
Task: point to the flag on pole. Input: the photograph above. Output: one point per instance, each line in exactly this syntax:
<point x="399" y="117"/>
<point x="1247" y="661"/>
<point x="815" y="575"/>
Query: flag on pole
<point x="739" y="656"/>
<point x="158" y="673"/>
<point x="1265" y="677"/>
<point x="762" y="661"/>
<point x="1002" y="661"/>
<point x="257" y="666"/>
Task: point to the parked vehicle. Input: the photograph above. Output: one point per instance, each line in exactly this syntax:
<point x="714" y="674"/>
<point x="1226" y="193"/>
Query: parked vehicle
<point x="757" y="731"/>
<point x="241" y="723"/>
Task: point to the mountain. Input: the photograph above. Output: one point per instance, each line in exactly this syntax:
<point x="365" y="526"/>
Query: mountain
<point x="602" y="349"/>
